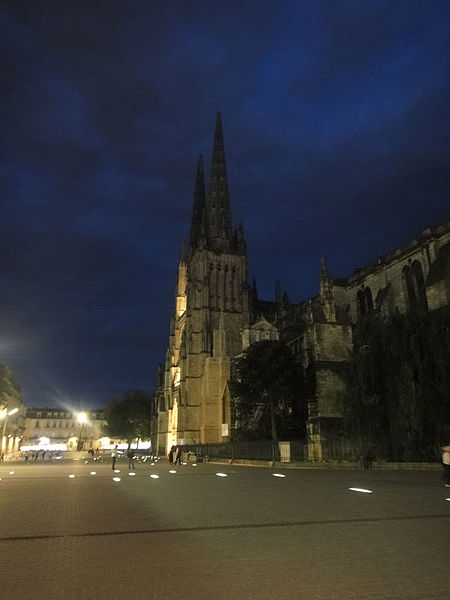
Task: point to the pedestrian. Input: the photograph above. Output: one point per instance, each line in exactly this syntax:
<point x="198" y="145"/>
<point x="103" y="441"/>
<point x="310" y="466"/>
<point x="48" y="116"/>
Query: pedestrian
<point x="178" y="456"/>
<point x="114" y="457"/>
<point x="446" y="464"/>
<point x="130" y="455"/>
<point x="171" y="456"/>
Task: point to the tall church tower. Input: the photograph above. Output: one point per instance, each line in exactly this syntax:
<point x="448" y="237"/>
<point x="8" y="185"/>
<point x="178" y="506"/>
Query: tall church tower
<point x="211" y="309"/>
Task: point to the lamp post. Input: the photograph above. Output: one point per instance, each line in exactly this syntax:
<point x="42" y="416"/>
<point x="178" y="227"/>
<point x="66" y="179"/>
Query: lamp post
<point x="8" y="413"/>
<point x="81" y="418"/>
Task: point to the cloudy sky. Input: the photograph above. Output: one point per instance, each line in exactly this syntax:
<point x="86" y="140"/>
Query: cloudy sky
<point x="335" y="118"/>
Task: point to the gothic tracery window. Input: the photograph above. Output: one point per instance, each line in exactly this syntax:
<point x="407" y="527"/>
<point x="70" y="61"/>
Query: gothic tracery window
<point x="364" y="302"/>
<point x="415" y="286"/>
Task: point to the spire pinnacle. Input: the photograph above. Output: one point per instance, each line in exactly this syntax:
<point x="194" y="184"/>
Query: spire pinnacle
<point x="326" y="292"/>
<point x="218" y="207"/>
<point x="198" y="213"/>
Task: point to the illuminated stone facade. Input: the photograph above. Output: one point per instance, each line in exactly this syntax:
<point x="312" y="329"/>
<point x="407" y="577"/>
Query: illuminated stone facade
<point x="319" y="331"/>
<point x="211" y="308"/>
<point x="48" y="427"/>
<point x="217" y="315"/>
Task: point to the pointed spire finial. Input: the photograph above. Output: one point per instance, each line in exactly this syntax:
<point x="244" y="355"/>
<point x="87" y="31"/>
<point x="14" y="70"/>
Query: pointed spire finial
<point x="218" y="207"/>
<point x="198" y="213"/>
<point x="326" y="292"/>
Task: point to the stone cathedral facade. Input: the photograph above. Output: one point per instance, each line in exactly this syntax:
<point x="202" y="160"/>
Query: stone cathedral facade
<point x="217" y="315"/>
<point x="211" y="309"/>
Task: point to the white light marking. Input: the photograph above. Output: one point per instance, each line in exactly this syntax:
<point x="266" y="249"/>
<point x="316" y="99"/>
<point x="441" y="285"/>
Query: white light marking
<point x="221" y="475"/>
<point x="448" y="499"/>
<point x="154" y="476"/>
<point x="194" y="464"/>
<point x="183" y="463"/>
<point x="364" y="491"/>
<point x="85" y="462"/>
<point x="11" y="472"/>
<point x="93" y="473"/>
<point x="131" y="474"/>
<point x="116" y="470"/>
<point x="172" y="471"/>
<point x="278" y="475"/>
<point x="116" y="478"/>
<point x="58" y="457"/>
<point x="152" y="464"/>
<point x="71" y="476"/>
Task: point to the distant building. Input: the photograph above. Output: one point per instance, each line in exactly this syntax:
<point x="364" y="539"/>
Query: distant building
<point x="217" y="315"/>
<point x="57" y="428"/>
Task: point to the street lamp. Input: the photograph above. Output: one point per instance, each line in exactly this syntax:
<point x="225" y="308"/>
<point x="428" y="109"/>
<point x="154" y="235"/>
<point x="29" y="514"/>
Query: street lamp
<point x="81" y="418"/>
<point x="7" y="414"/>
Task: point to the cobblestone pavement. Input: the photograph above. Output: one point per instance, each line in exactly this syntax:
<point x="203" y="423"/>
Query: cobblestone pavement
<point x="195" y="535"/>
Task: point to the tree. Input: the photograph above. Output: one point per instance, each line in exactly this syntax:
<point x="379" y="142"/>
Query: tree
<point x="399" y="382"/>
<point x="9" y="388"/>
<point x="267" y="391"/>
<point x="130" y="417"/>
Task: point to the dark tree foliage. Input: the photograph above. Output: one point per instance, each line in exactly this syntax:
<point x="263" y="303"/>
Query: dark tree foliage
<point x="9" y="388"/>
<point x="399" y="382"/>
<point x="130" y="417"/>
<point x="267" y="392"/>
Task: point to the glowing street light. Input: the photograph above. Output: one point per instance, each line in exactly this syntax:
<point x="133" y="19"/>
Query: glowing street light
<point x="7" y="414"/>
<point x="81" y="418"/>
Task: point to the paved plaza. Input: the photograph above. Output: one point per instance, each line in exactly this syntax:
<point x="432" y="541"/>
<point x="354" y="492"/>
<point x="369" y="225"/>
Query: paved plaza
<point x="68" y="533"/>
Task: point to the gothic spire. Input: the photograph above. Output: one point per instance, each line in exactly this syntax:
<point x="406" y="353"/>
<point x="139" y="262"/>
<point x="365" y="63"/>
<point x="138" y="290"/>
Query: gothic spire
<point x="324" y="286"/>
<point x="326" y="292"/>
<point x="198" y="213"/>
<point x="218" y="206"/>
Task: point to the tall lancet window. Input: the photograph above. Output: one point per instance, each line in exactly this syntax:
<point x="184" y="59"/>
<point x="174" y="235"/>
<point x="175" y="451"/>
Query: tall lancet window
<point x="364" y="302"/>
<point x="414" y="283"/>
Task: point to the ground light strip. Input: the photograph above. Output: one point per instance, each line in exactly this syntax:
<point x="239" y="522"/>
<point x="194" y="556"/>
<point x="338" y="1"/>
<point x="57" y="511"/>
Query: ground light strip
<point x="362" y="490"/>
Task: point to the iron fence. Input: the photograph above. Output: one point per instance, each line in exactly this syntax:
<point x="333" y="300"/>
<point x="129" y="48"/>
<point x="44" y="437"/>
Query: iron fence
<point x="332" y="448"/>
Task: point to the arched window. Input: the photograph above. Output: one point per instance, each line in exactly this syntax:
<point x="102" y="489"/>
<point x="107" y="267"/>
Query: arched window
<point x="368" y="297"/>
<point x="419" y="285"/>
<point x="407" y="278"/>
<point x="364" y="302"/>
<point x="415" y="286"/>
<point x="361" y="304"/>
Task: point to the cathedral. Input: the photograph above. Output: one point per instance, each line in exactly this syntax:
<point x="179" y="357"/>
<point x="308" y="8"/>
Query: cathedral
<point x="217" y="314"/>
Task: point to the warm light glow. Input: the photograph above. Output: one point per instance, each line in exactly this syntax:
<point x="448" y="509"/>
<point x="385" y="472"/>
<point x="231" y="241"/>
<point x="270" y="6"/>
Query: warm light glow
<point x="172" y="471"/>
<point x="221" y="475"/>
<point x="13" y="411"/>
<point x="363" y="490"/>
<point x="93" y="473"/>
<point x="131" y="474"/>
<point x="278" y="475"/>
<point x="116" y="478"/>
<point x="11" y="472"/>
<point x="44" y="441"/>
<point x="71" y="476"/>
<point x="45" y="446"/>
<point x="81" y="417"/>
<point x="154" y="476"/>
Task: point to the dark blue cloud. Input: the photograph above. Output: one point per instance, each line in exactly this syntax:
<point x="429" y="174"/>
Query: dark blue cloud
<point x="335" y="116"/>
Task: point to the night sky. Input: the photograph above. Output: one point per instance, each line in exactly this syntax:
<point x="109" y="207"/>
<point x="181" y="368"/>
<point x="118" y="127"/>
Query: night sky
<point x="336" y="137"/>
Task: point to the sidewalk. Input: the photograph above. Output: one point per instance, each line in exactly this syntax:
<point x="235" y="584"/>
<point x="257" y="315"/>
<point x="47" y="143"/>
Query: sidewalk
<point x="331" y="465"/>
